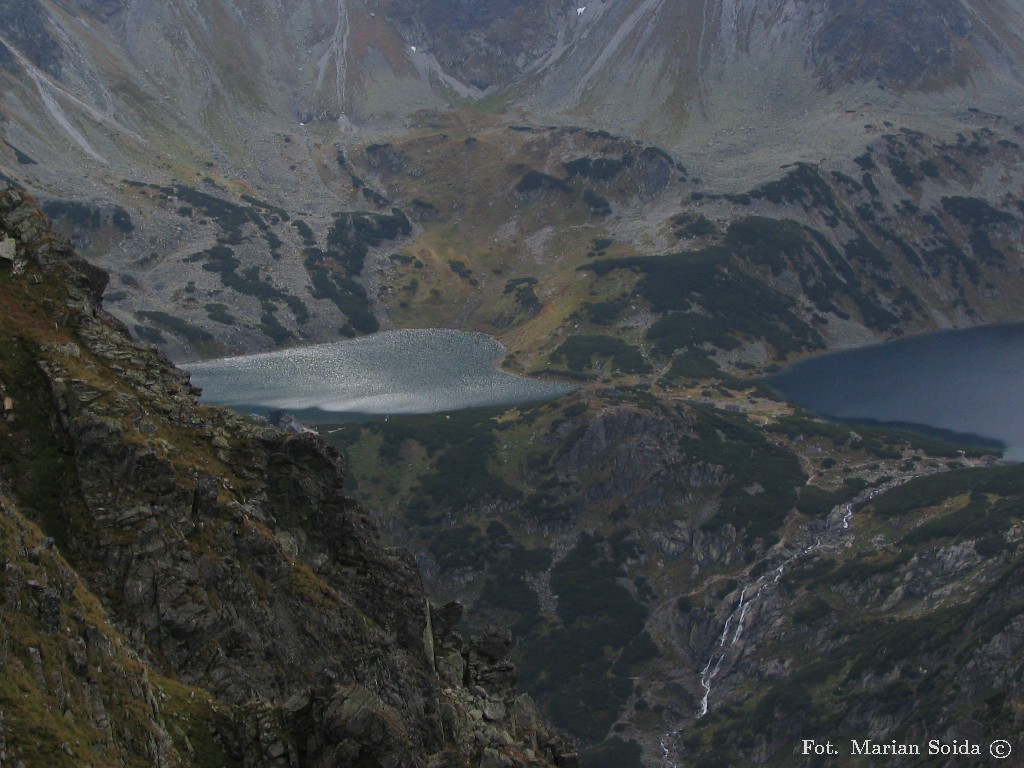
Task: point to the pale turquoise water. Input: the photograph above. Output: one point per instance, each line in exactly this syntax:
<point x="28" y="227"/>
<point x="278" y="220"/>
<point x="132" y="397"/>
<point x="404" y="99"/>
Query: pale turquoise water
<point x="967" y="381"/>
<point x="408" y="371"/>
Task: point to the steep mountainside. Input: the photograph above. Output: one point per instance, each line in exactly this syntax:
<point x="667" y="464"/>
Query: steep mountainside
<point x="658" y="200"/>
<point x="707" y="580"/>
<point x="162" y="133"/>
<point x="248" y="611"/>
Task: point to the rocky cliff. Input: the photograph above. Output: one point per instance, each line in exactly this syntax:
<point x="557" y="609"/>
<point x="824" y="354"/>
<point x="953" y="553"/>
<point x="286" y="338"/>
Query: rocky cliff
<point x="181" y="587"/>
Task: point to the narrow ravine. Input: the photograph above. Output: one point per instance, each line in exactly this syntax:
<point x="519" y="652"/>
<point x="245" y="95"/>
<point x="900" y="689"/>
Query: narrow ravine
<point x="837" y="524"/>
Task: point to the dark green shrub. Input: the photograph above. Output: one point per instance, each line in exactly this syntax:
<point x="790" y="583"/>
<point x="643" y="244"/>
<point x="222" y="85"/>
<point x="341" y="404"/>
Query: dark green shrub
<point x="535" y="182"/>
<point x="614" y="753"/>
<point x="578" y="353"/>
<point x="975" y="212"/>
<point x="598" y="205"/>
<point x="600" y="169"/>
<point x="178" y="326"/>
<point x="219" y="314"/>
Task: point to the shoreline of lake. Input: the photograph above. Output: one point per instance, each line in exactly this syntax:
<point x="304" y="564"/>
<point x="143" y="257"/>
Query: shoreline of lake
<point x="964" y="383"/>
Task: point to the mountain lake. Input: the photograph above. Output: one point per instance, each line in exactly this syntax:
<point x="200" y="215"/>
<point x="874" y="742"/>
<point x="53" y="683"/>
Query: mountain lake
<point x="967" y="382"/>
<point x="393" y="372"/>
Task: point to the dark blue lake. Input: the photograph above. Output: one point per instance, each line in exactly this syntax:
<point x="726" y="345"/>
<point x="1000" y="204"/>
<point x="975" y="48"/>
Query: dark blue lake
<point x="968" y="382"/>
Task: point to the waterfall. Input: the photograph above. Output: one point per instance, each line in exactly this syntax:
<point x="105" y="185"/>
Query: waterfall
<point x="735" y="621"/>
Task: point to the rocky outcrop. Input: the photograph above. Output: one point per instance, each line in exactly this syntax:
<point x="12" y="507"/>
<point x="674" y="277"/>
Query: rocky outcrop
<point x="226" y="554"/>
<point x="867" y="41"/>
<point x="72" y="674"/>
<point x="480" y="704"/>
<point x="488" y="44"/>
<point x="637" y="451"/>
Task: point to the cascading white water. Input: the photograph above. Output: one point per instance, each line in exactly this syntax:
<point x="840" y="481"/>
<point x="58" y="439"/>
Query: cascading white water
<point x="768" y="578"/>
<point x="714" y="665"/>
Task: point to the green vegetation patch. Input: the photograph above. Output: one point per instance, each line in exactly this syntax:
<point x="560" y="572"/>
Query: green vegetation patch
<point x="86" y="216"/>
<point x="578" y="352"/>
<point x="605" y="312"/>
<point x="776" y="243"/>
<point x="981" y="217"/>
<point x="534" y="182"/>
<point x="525" y="296"/>
<point x="121" y="219"/>
<point x="275" y="210"/>
<point x="804" y="185"/>
<point x="221" y="260"/>
<point x="459" y="268"/>
<point x="693" y="365"/>
<point x="881" y="646"/>
<point x="194" y="715"/>
<point x="932" y="490"/>
<point x="597" y="169"/>
<point x="353" y="234"/>
<point x="334" y="270"/>
<point x="763" y="479"/>
<point x="194" y="335"/>
<point x="305" y="232"/>
<point x="231" y="217"/>
<point x="597" y="205"/>
<point x="219" y="314"/>
<point x="332" y="283"/>
<point x="571" y="663"/>
<point x="818" y="502"/>
<point x="270" y="326"/>
<point x="712" y="301"/>
<point x="977" y="519"/>
<point x="701" y="226"/>
<point x="461" y="445"/>
<point x="82" y="215"/>
<point x="614" y="753"/>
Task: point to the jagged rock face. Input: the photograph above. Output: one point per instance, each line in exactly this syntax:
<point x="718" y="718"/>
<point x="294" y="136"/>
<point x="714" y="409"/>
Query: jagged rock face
<point x="25" y="27"/>
<point x="70" y="666"/>
<point x="638" y="453"/>
<point x="484" y="43"/>
<point x="907" y="44"/>
<point x="225" y="553"/>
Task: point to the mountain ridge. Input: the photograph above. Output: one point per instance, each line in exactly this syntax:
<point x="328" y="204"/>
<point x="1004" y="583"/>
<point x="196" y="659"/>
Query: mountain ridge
<point x="194" y="531"/>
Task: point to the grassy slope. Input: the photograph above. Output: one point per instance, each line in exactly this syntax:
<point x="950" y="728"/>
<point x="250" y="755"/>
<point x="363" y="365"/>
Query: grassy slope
<point x="858" y="255"/>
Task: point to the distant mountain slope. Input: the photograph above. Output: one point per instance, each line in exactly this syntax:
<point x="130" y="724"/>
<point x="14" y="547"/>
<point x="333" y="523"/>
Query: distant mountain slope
<point x="919" y="44"/>
<point x="668" y="70"/>
<point x="212" y="156"/>
<point x="209" y="76"/>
